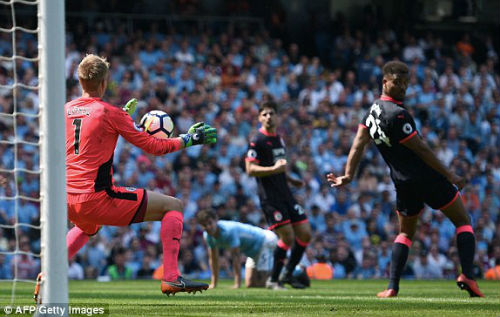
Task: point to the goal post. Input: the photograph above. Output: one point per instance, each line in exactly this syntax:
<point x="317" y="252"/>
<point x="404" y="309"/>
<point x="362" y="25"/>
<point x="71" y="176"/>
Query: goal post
<point x="46" y="141"/>
<point x="53" y="213"/>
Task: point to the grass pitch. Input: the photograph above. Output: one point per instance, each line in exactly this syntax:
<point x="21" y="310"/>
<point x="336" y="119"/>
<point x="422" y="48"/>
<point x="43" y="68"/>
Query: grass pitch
<point x="324" y="298"/>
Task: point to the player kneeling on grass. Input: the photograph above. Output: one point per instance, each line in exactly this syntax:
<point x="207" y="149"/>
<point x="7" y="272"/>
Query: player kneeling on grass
<point x="256" y="243"/>
<point x="92" y="130"/>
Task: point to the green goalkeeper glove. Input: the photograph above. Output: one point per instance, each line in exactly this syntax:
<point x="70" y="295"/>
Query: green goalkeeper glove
<point x="199" y="133"/>
<point x="130" y="106"/>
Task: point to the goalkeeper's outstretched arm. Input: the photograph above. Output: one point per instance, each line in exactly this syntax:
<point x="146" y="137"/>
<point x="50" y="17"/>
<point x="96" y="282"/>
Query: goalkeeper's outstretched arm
<point x="121" y="122"/>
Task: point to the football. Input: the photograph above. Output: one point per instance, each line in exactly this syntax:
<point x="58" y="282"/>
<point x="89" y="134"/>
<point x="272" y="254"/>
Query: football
<point x="158" y="124"/>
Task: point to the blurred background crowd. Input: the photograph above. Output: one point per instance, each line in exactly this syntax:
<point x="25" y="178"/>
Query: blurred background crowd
<point x="218" y="72"/>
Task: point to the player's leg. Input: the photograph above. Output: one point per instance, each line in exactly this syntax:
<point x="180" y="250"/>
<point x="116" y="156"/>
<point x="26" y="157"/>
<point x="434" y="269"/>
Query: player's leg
<point x="466" y="244"/>
<point x="400" y="250"/>
<point x="444" y="196"/>
<point x="302" y="232"/>
<point x="259" y="278"/>
<point x="253" y="277"/>
<point x="286" y="237"/>
<point x="169" y="211"/>
<point x="409" y="205"/>
<point x="258" y="270"/>
<point x="80" y="234"/>
<point x="249" y="272"/>
<point x="279" y="221"/>
<point x="76" y="238"/>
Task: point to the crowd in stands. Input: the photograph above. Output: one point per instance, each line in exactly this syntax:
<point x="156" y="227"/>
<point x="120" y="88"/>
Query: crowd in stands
<point x="220" y="78"/>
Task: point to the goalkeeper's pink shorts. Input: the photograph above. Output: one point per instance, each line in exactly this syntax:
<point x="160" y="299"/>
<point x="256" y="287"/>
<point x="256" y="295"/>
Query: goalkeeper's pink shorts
<point x="116" y="206"/>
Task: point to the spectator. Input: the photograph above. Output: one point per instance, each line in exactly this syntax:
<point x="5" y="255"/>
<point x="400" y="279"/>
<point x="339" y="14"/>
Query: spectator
<point x="423" y="270"/>
<point x="118" y="270"/>
<point x="437" y="261"/>
<point x="145" y="271"/>
<point x="75" y="270"/>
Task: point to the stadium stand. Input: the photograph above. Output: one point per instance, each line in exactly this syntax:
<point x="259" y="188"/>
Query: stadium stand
<point x="219" y="75"/>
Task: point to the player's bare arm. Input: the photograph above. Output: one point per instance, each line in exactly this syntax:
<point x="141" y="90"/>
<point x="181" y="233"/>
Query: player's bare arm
<point x="423" y="150"/>
<point x="235" y="253"/>
<point x="255" y="170"/>
<point x="213" y="261"/>
<point x="355" y="154"/>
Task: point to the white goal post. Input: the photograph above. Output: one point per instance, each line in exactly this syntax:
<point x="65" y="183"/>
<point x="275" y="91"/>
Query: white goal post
<point x="51" y="89"/>
<point x="53" y="213"/>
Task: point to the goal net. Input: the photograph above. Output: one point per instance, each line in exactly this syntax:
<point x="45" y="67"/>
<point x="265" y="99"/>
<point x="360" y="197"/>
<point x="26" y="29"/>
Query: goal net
<point x="32" y="176"/>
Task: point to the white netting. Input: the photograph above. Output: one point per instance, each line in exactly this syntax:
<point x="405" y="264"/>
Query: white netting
<point x="19" y="144"/>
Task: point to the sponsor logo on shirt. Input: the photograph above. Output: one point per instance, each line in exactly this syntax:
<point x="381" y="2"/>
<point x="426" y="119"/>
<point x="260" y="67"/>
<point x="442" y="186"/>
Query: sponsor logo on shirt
<point x="278" y="153"/>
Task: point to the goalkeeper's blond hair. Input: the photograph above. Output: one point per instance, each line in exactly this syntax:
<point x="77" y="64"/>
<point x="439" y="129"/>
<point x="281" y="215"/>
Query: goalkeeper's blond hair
<point x="92" y="71"/>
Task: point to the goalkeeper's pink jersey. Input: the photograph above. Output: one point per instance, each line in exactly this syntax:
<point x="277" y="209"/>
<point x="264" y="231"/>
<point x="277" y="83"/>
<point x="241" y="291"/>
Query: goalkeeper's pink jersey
<point x="92" y="129"/>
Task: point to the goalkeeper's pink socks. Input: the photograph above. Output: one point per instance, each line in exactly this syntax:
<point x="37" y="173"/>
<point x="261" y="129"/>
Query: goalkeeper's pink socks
<point x="75" y="240"/>
<point x="170" y="234"/>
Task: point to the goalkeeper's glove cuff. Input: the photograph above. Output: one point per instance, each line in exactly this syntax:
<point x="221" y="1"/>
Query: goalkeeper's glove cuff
<point x="192" y="139"/>
<point x="203" y="134"/>
<point x="187" y="139"/>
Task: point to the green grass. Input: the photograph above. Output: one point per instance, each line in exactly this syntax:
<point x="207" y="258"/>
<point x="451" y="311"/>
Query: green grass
<point x="324" y="298"/>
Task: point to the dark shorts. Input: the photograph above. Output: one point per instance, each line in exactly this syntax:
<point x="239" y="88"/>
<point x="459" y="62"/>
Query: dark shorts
<point x="411" y="197"/>
<point x="283" y="212"/>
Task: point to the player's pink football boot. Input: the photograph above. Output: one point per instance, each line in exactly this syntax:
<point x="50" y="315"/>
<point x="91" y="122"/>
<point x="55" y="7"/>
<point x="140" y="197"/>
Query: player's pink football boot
<point x="182" y="285"/>
<point x="469" y="285"/>
<point x="387" y="293"/>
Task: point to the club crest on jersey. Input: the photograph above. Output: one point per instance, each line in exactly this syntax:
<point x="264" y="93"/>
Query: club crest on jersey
<point x="252" y="153"/>
<point x="407" y="128"/>
<point x="277" y="216"/>
<point x="131" y="189"/>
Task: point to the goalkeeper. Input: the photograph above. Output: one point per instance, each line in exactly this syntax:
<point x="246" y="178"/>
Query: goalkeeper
<point x="92" y="129"/>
